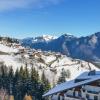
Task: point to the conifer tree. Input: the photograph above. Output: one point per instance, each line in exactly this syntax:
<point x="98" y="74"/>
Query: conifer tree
<point x="26" y="80"/>
<point x="11" y="73"/>
<point x="23" y="82"/>
<point x="34" y="81"/>
<point x="68" y="73"/>
<point x="11" y="80"/>
<point x="16" y="76"/>
<point x="26" y="72"/>
<point x="62" y="78"/>
<point x="21" y="72"/>
<point x="4" y="75"/>
<point x="45" y="82"/>
<point x="34" y="75"/>
<point x="20" y="84"/>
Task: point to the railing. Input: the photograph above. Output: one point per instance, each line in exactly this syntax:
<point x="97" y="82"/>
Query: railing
<point x="79" y="98"/>
<point x="92" y="88"/>
<point x="93" y="92"/>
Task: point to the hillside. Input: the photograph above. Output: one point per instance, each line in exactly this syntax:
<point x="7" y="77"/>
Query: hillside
<point x="50" y="62"/>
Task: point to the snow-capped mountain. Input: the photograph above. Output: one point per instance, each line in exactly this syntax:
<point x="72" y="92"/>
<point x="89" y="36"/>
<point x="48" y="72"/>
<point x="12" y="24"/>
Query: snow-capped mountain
<point x="86" y="48"/>
<point x="44" y="38"/>
<point x="50" y="62"/>
<point x="39" y="39"/>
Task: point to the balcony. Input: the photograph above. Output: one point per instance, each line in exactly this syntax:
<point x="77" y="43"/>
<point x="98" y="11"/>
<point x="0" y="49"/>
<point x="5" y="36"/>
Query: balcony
<point x="92" y="89"/>
<point x="93" y="92"/>
<point x="73" y="97"/>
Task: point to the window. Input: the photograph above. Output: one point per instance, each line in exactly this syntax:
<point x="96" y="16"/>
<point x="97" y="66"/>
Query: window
<point x="87" y="96"/>
<point x="79" y="94"/>
<point x="95" y="97"/>
<point x="83" y="90"/>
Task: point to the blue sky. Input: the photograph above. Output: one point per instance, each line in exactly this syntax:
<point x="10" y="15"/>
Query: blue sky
<point x="26" y="18"/>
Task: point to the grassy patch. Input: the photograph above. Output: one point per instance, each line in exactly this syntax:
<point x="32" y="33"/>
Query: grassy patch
<point x="3" y="53"/>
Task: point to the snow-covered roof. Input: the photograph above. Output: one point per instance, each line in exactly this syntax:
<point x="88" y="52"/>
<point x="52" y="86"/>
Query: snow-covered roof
<point x="71" y="84"/>
<point x="86" y="75"/>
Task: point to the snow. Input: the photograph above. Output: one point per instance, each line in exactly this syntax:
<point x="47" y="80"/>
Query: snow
<point x="48" y="37"/>
<point x="44" y="38"/>
<point x="7" y="49"/>
<point x="49" y="59"/>
<point x="70" y="84"/>
<point x="93" y="40"/>
<point x="75" y="67"/>
<point x="52" y="64"/>
<point x="86" y="76"/>
<point x="10" y="61"/>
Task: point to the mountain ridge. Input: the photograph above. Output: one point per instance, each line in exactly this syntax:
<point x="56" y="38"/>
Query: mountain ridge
<point x="86" y="48"/>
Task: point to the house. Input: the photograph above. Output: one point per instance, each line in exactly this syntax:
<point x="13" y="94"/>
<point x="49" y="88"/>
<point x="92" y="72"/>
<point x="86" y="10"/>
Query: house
<point x="16" y="45"/>
<point x="84" y="87"/>
<point x="21" y="49"/>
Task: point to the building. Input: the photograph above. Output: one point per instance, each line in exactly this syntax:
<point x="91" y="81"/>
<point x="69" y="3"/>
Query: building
<point x="84" y="87"/>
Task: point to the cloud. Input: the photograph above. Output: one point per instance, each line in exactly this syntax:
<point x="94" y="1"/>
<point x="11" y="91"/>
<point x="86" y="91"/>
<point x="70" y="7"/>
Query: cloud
<point x="18" y="4"/>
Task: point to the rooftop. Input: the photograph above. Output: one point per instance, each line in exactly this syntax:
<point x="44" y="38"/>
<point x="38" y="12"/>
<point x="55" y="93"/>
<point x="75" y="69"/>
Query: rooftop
<point x="88" y="76"/>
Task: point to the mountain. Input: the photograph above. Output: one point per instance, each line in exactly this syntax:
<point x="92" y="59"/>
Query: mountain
<point x="43" y="38"/>
<point x="86" y="48"/>
<point x="51" y="63"/>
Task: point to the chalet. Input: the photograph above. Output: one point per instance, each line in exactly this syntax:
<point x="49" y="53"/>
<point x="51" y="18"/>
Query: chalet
<point x="84" y="87"/>
<point x="16" y="45"/>
<point x="21" y="50"/>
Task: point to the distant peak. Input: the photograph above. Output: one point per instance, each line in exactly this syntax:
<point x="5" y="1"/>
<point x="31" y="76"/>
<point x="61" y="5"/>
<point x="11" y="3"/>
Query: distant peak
<point x="68" y="35"/>
<point x="44" y="38"/>
<point x="97" y="34"/>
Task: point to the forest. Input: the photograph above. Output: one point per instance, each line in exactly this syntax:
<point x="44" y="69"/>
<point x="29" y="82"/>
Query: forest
<point x="23" y="82"/>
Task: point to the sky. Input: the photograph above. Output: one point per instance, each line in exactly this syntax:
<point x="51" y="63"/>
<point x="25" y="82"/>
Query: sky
<point x="30" y="18"/>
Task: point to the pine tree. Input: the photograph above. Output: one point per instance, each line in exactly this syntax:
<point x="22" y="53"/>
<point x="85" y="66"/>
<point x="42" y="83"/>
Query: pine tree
<point x="45" y="86"/>
<point x="26" y="80"/>
<point x="0" y="38"/>
<point x="43" y="78"/>
<point x="45" y="82"/>
<point x="62" y="78"/>
<point x="68" y="73"/>
<point x="21" y="72"/>
<point x="11" y="73"/>
<point x="16" y="76"/>
<point x="4" y="71"/>
<point x="20" y="85"/>
<point x="48" y="86"/>
<point x="34" y="81"/>
<point x="11" y="80"/>
<point x="26" y="72"/>
<point x="4" y="76"/>
<point x="22" y="82"/>
<point x="34" y="75"/>
<point x="16" y="84"/>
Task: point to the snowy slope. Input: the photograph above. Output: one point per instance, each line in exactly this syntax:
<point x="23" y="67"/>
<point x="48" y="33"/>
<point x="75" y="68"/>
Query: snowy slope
<point x="51" y="63"/>
<point x="9" y="60"/>
<point x="76" y="67"/>
<point x="7" y="49"/>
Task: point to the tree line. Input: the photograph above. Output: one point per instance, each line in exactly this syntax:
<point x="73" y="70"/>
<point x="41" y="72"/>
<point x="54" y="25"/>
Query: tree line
<point x="9" y="40"/>
<point x="23" y="82"/>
